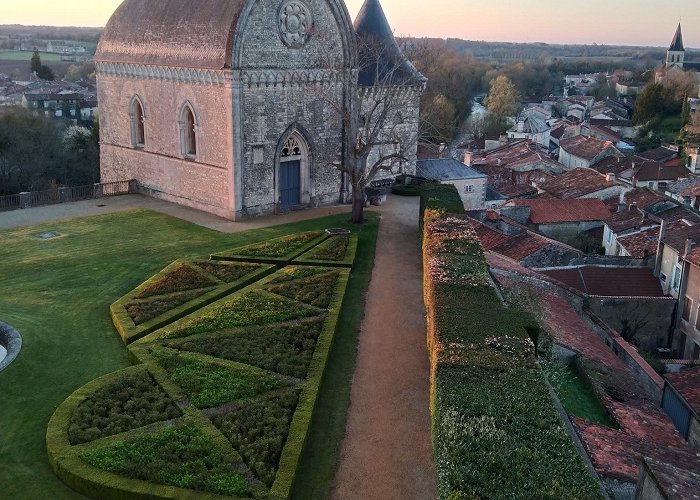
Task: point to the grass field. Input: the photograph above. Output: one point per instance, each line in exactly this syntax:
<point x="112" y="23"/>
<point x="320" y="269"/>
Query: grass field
<point x="57" y="294"/>
<point x="14" y="55"/>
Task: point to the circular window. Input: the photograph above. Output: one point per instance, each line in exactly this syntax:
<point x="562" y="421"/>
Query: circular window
<point x="295" y="22"/>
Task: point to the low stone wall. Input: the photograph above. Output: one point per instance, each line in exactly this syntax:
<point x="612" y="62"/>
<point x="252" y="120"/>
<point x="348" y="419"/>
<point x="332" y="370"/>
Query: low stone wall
<point x="10" y="340"/>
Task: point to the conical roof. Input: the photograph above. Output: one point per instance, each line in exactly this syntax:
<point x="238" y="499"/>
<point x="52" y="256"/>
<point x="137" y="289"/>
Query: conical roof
<point x="677" y="43"/>
<point x="381" y="61"/>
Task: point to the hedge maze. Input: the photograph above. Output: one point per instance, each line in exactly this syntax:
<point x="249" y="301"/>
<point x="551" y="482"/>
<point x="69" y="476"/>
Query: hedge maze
<point x="229" y="357"/>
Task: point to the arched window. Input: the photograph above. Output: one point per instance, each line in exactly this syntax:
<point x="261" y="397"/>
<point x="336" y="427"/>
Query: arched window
<point x="138" y="127"/>
<point x="188" y="132"/>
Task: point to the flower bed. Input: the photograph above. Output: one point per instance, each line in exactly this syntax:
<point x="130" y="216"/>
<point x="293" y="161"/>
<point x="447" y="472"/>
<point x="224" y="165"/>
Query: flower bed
<point x="496" y="433"/>
<point x="178" y="290"/>
<point x="338" y="250"/>
<point x="277" y="251"/>
<point x="222" y="399"/>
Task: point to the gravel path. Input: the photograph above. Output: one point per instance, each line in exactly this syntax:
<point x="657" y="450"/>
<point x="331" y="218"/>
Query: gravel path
<point x="387" y="451"/>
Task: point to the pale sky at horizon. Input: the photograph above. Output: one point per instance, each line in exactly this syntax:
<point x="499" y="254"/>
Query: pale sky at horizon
<point x="551" y="21"/>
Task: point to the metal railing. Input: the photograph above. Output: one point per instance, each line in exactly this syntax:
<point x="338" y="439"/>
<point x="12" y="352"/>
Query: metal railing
<point x="66" y="195"/>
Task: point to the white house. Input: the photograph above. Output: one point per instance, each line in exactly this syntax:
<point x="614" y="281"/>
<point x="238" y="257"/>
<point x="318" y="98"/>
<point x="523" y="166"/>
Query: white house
<point x="470" y="183"/>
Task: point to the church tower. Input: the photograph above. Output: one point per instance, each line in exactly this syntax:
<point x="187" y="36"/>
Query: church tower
<point x="676" y="53"/>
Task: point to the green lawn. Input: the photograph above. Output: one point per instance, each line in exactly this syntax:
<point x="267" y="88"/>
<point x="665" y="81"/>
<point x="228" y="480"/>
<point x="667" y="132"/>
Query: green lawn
<point x="57" y="294"/>
<point x="16" y="55"/>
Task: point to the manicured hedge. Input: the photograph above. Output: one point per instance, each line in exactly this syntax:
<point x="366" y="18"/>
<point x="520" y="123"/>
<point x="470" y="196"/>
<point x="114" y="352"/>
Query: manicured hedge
<point x="441" y="198"/>
<point x="496" y="433"/>
<point x="406" y="190"/>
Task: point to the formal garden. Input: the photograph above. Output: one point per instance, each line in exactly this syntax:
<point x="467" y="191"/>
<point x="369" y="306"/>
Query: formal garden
<point x="221" y="388"/>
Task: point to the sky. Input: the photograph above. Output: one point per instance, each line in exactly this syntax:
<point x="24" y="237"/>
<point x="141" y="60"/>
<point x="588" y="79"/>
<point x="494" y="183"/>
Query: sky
<point x="619" y="22"/>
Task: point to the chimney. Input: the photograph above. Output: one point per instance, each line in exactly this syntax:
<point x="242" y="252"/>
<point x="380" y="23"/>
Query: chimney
<point x="468" y="158"/>
<point x="611" y="177"/>
<point x="632" y="206"/>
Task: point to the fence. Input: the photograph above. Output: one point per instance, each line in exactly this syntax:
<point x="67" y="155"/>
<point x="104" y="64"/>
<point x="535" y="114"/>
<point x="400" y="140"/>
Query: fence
<point x="66" y="195"/>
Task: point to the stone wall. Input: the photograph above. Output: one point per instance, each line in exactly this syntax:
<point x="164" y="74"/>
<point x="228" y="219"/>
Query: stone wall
<point x="204" y="183"/>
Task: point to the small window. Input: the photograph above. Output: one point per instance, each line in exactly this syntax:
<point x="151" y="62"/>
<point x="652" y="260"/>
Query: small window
<point x="676" y="282"/>
<point x="138" y="129"/>
<point x="469" y="188"/>
<point x="663" y="277"/>
<point x="687" y="306"/>
<point x="188" y="132"/>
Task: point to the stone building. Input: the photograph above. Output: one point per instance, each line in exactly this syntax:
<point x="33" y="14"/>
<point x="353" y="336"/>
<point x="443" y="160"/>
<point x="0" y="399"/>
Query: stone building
<point x="234" y="106"/>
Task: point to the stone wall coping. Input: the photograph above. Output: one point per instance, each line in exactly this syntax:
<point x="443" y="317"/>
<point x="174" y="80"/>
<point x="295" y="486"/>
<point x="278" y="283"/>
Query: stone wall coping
<point x="12" y="341"/>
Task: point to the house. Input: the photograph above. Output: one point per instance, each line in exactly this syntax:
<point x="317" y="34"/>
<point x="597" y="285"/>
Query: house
<point x="577" y="111"/>
<point x="681" y="402"/>
<point x="660" y="154"/>
<point x="629" y="88"/>
<point x="582" y="183"/>
<point x="470" y="183"/>
<point x="624" y="127"/>
<point x="555" y="217"/>
<point x="223" y="106"/>
<point x="651" y="174"/>
<point x="584" y="151"/>
<point x="532" y="127"/>
<point x="658" y="479"/>
<point x="629" y="220"/>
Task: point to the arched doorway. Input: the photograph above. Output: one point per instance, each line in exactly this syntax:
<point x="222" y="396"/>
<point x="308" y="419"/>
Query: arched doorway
<point x="293" y="172"/>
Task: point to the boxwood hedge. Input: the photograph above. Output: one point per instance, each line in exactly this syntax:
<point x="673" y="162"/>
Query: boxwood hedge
<point x="496" y="433"/>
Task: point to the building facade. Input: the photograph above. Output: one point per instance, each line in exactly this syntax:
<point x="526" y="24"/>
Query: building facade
<point x="235" y="107"/>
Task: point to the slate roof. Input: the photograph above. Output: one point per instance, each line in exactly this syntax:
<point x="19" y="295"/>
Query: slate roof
<point x="654" y="171"/>
<point x="584" y="147"/>
<point x="603" y="281"/>
<point x="181" y="33"/>
<point x="677" y="42"/>
<point x="531" y="124"/>
<point x="576" y="183"/>
<point x="381" y="60"/>
<point x="554" y="211"/>
<point x="446" y="169"/>
<point x="687" y="383"/>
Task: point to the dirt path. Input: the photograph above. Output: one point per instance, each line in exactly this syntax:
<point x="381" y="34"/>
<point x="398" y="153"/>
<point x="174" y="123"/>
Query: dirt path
<point x="387" y="451"/>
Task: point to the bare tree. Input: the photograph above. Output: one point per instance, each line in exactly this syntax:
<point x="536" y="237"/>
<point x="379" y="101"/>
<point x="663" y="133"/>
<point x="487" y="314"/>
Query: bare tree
<point x="380" y="116"/>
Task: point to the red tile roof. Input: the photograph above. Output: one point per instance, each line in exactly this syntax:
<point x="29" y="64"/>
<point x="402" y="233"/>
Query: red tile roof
<point x="654" y="171"/>
<point x="687" y="383"/>
<point x="627" y="219"/>
<point x="555" y="211"/>
<point x="676" y="482"/>
<point x="521" y="246"/>
<point x="576" y="183"/>
<point x="642" y="244"/>
<point x="659" y="154"/>
<point x="609" y="281"/>
<point x="584" y="147"/>
<point x="643" y="197"/>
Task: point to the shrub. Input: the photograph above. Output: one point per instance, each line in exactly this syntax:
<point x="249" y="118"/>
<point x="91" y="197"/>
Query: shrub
<point x="175" y="456"/>
<point x="250" y="309"/>
<point x="207" y="384"/>
<point x="277" y="248"/>
<point x="314" y="290"/>
<point x="131" y="402"/>
<point x="228" y="272"/>
<point x="143" y="310"/>
<point x="180" y="279"/>
<point x="406" y="190"/>
<point x="333" y="249"/>
<point x="496" y="433"/>
<point x="285" y="349"/>
<point x="258" y="429"/>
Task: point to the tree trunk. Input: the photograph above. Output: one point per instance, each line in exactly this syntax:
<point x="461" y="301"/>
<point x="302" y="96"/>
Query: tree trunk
<point x="358" y="203"/>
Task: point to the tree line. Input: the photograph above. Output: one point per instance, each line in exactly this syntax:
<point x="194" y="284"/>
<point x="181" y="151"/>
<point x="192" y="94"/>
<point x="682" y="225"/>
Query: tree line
<point x="38" y="153"/>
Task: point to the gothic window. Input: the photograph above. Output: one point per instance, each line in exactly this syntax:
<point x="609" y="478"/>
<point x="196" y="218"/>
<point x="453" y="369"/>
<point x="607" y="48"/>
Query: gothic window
<point x="291" y="148"/>
<point x="188" y="132"/>
<point x="138" y="128"/>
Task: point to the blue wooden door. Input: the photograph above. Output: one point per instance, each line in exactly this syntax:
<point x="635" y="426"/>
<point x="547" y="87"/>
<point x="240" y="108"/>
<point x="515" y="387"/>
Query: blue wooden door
<point x="290" y="183"/>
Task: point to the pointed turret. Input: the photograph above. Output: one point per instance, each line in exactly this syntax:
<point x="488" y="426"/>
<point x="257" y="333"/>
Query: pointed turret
<point x="381" y="60"/>
<point x="677" y="43"/>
